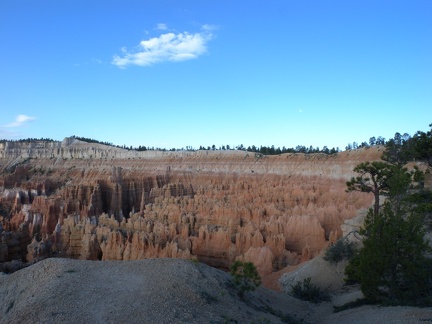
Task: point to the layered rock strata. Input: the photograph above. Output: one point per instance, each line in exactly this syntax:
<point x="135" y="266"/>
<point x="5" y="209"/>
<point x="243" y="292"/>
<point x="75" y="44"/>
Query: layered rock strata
<point x="90" y="201"/>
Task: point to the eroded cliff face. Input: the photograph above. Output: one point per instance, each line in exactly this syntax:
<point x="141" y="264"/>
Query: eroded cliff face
<point x="95" y="202"/>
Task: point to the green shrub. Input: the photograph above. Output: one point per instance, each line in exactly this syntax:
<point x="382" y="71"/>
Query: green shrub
<point x="245" y="277"/>
<point x="351" y="273"/>
<point x="341" y="250"/>
<point x="308" y="291"/>
<point x="392" y="267"/>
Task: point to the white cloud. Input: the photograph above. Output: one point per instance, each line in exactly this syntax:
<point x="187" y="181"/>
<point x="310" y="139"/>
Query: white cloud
<point x="161" y="27"/>
<point x="20" y="120"/>
<point x="167" y="47"/>
<point x="208" y="27"/>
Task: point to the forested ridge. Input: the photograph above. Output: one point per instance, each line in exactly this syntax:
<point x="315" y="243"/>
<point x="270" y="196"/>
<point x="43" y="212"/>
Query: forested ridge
<point x="400" y="148"/>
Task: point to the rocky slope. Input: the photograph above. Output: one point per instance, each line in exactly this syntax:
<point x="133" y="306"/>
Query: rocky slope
<point x="94" y="202"/>
<point x="163" y="291"/>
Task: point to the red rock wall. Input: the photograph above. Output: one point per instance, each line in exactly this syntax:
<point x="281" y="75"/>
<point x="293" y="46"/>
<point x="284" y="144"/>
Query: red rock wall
<point x="215" y="206"/>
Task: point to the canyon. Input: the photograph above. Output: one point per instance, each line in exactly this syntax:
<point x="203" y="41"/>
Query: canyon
<point x="89" y="201"/>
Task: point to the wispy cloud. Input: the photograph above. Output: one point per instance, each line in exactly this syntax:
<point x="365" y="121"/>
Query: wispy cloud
<point x="20" y="120"/>
<point x="11" y="130"/>
<point x="208" y="27"/>
<point x="169" y="47"/>
<point x="161" y="27"/>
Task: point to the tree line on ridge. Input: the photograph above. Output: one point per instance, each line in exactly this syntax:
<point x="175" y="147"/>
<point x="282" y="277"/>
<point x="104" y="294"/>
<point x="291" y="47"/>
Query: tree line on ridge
<point x="401" y="147"/>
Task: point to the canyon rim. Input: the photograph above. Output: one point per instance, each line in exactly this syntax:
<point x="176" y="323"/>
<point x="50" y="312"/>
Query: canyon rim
<point x="90" y="201"/>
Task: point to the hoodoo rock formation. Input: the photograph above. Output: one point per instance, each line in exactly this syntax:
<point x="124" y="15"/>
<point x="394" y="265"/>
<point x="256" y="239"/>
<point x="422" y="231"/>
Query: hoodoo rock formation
<point x="96" y="202"/>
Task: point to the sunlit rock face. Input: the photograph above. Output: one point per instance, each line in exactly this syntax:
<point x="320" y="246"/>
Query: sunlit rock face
<point x="91" y="201"/>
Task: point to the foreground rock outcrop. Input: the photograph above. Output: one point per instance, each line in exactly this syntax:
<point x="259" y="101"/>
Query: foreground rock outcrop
<point x="163" y="291"/>
<point x="146" y="291"/>
<point x="93" y="202"/>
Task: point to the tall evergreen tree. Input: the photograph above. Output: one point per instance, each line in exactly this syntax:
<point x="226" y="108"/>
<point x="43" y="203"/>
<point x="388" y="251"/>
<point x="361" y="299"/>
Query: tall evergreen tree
<point x="372" y="178"/>
<point x="392" y="267"/>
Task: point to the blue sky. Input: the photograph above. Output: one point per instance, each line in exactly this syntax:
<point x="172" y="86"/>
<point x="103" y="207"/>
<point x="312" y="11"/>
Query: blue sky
<point x="190" y="73"/>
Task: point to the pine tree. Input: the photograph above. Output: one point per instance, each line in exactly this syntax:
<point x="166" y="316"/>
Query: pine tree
<point x="392" y="267"/>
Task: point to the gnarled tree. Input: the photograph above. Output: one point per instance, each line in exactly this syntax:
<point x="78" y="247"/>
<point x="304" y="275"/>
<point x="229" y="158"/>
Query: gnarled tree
<point x="373" y="177"/>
